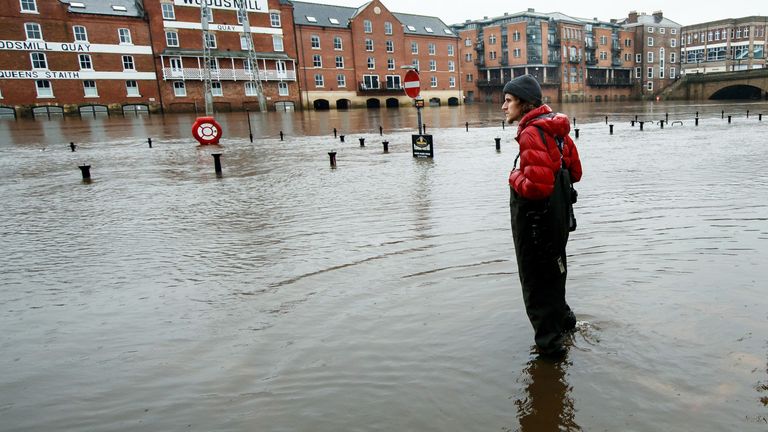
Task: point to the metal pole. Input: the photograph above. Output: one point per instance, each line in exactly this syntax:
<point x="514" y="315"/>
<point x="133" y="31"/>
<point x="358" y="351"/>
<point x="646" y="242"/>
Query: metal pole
<point x="418" y="116"/>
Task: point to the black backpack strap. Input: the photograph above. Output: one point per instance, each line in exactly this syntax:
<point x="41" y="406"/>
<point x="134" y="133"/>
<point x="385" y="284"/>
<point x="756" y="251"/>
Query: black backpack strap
<point x="558" y="140"/>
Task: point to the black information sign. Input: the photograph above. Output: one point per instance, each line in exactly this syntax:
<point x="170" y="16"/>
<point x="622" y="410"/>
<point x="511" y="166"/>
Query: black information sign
<point x="422" y="146"/>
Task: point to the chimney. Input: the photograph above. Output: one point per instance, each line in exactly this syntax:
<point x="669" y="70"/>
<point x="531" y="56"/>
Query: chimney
<point x="531" y="10"/>
<point x="632" y="17"/>
<point x="658" y="16"/>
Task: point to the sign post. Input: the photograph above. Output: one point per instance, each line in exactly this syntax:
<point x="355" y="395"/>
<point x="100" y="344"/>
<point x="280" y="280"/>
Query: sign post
<point x="421" y="144"/>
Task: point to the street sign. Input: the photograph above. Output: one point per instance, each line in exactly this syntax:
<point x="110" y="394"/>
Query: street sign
<point x="419" y="102"/>
<point x="422" y="146"/>
<point x="411" y="83"/>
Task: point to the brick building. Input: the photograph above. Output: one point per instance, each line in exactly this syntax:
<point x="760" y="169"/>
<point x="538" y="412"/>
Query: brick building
<point x="178" y="45"/>
<point x="353" y="57"/>
<point x="657" y="52"/>
<point x="65" y="55"/>
<point x="573" y="59"/>
<point x="724" y="45"/>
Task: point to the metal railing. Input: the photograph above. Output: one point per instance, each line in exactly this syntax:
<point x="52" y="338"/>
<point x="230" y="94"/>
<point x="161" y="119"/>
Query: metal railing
<point x="227" y="74"/>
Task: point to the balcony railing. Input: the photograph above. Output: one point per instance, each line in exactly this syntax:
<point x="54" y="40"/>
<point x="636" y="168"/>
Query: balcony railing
<point x="227" y="74"/>
<point x="574" y="59"/>
<point x="381" y="88"/>
<point x="609" y="82"/>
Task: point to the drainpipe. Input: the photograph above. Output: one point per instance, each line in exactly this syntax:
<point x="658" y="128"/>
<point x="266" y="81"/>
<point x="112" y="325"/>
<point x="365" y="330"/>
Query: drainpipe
<point x="154" y="63"/>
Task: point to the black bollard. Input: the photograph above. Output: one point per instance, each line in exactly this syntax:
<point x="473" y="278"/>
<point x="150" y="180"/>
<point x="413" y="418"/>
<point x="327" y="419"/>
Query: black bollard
<point x="697" y="113"/>
<point x="362" y="142"/>
<point x="386" y="146"/>
<point x="502" y="125"/>
<point x="250" y="131"/>
<point x="498" y="144"/>
<point x="574" y="122"/>
<point x="149" y="141"/>
<point x="606" y="119"/>
<point x="722" y="114"/>
<point x="381" y="131"/>
<point x="424" y="128"/>
<point x="577" y="133"/>
<point x="72" y="146"/>
<point x="666" y="117"/>
<point x="632" y="122"/>
<point x="467" y="126"/>
<point x="334" y="132"/>
<point x="729" y="119"/>
<point x="661" y="123"/>
<point x="341" y="137"/>
<point x="86" y="170"/>
<point x="697" y="121"/>
<point x="641" y="125"/>
<point x="611" y="128"/>
<point x="281" y="135"/>
<point x="332" y="156"/>
<point x="217" y="163"/>
<point x="760" y="117"/>
<point x="636" y="117"/>
<point x="747" y="113"/>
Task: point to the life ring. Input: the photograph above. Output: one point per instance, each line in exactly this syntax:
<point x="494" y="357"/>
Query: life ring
<point x="206" y="130"/>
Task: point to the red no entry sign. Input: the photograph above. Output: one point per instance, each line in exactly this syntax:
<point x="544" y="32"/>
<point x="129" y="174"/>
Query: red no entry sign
<point x="411" y="83"/>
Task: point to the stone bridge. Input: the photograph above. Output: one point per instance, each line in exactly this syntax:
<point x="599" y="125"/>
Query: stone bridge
<point x="747" y="84"/>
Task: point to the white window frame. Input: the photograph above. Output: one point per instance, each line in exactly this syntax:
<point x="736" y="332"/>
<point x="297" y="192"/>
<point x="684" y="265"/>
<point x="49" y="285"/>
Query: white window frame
<point x="244" y="45"/>
<point x="649" y="75"/>
<point x="650" y="41"/>
<point x="129" y="88"/>
<point x="124" y="35"/>
<point x="217" y="89"/>
<point x="433" y="65"/>
<point x="210" y="39"/>
<point x="433" y="81"/>
<point x="649" y="86"/>
<point x="319" y="81"/>
<point x="369" y="45"/>
<point x="128" y="63"/>
<point x="390" y="63"/>
<point x="451" y="66"/>
<point x="44" y="89"/>
<point x="432" y="49"/>
<point x="172" y="38"/>
<point x="672" y="72"/>
<point x="414" y="47"/>
<point x="282" y="88"/>
<point x="451" y="81"/>
<point x="451" y="51"/>
<point x="367" y="26"/>
<point x="339" y="62"/>
<point x="85" y="61"/>
<point x="274" y="19"/>
<point x="371" y="62"/>
<point x="35" y="29"/>
<point x="179" y="89"/>
<point x="168" y="11"/>
<point x="277" y="43"/>
<point x="338" y="44"/>
<point x="341" y="80"/>
<point x="250" y="89"/>
<point x="317" y="61"/>
<point x="314" y="41"/>
<point x="39" y="60"/>
<point x="90" y="91"/>
<point x="80" y="33"/>
<point x="390" y="46"/>
<point x="28" y="3"/>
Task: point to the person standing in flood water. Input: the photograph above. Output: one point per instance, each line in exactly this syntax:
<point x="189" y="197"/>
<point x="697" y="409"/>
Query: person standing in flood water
<point x="539" y="208"/>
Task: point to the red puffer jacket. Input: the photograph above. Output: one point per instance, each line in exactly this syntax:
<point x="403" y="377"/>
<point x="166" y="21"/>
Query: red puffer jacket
<point x="539" y="161"/>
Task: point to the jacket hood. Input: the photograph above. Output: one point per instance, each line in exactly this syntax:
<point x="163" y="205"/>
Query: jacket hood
<point x="556" y="124"/>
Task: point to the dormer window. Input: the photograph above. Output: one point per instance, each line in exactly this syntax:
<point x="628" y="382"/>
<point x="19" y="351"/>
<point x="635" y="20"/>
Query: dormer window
<point x="411" y="28"/>
<point x="333" y="21"/>
<point x="311" y="19"/>
<point x="428" y="29"/>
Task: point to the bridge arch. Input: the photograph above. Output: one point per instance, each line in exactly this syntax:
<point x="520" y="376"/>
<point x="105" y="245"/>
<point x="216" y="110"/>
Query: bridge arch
<point x="738" y="91"/>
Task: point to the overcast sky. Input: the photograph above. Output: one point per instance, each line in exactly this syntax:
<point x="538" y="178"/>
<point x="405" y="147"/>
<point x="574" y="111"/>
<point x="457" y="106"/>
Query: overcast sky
<point x="683" y="12"/>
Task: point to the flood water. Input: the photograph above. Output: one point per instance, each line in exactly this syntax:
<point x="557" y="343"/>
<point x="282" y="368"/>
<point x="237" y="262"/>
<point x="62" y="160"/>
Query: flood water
<point x="381" y="295"/>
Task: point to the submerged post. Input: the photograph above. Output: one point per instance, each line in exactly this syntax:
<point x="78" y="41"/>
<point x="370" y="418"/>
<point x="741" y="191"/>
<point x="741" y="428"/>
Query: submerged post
<point x="250" y="132"/>
<point x="72" y="146"/>
<point x="341" y="137"/>
<point x="86" y="171"/>
<point x="281" y="135"/>
<point x="217" y="163"/>
<point x="362" y="142"/>
<point x="661" y="123"/>
<point x="334" y="133"/>
<point x="332" y="156"/>
<point x="149" y="141"/>
<point x="697" y="121"/>
<point x="386" y="146"/>
<point x="577" y="133"/>
<point x="610" y="127"/>
<point x="729" y="119"/>
<point x="466" y="125"/>
<point x="381" y="131"/>
<point x="641" y="125"/>
<point x="498" y="144"/>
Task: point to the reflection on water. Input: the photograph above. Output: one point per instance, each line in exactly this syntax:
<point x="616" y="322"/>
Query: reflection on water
<point x="547" y="404"/>
<point x="381" y="295"/>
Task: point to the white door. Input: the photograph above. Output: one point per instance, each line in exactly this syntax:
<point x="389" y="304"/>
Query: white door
<point x="177" y="70"/>
<point x="280" y="66"/>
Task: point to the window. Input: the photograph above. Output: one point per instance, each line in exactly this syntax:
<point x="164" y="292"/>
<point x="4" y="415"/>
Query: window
<point x="89" y="88"/>
<point x="341" y="80"/>
<point x="650" y="29"/>
<point x="387" y="28"/>
<point x="661" y="72"/>
<point x="603" y="55"/>
<point x="371" y="63"/>
<point x="673" y="31"/>
<point x="132" y="88"/>
<point x="492" y="55"/>
<point x="311" y="19"/>
<point x="433" y="81"/>
<point x="468" y="57"/>
<point x="431" y="48"/>
<point x="210" y="40"/>
<point x="277" y="43"/>
<point x="44" y="89"/>
<point x="603" y="40"/>
<point x="650" y="57"/>
<point x="244" y="42"/>
<point x="81" y="35"/>
<point x="638" y="58"/>
<point x="650" y="73"/>
<point x="451" y="66"/>
<point x="470" y="78"/>
<point x="30" y="6"/>
<point x="180" y="89"/>
<point x="241" y="16"/>
<point x="39" y="60"/>
<point x="390" y="64"/>
<point x="282" y="88"/>
<point x="33" y="31"/>
<point x="85" y="62"/>
<point x="250" y="89"/>
<point x="650" y="85"/>
<point x="168" y="12"/>
<point x="393" y="82"/>
<point x="172" y="38"/>
<point x="450" y="50"/>
<point x="672" y="72"/>
<point x="367" y="26"/>
<point x="176" y="66"/>
<point x="317" y="61"/>
<point x="339" y="62"/>
<point x="274" y="19"/>
<point x="637" y="72"/>
<point x="467" y="42"/>
<point x="337" y="43"/>
<point x="390" y="46"/>
<point x="319" y="81"/>
<point x="432" y="65"/>
<point x="415" y="64"/>
<point x="429" y="29"/>
<point x="627" y="42"/>
<point x="370" y="81"/>
<point x="216" y="89"/>
<point x="662" y="30"/>
<point x="516" y="36"/>
<point x="125" y="36"/>
<point x="369" y="44"/>
<point x="673" y="43"/>
<point x="414" y="48"/>
<point x="516" y="52"/>
<point x="128" y="63"/>
<point x="209" y="13"/>
<point x="315" y="41"/>
<point x="452" y="81"/>
<point x="492" y="39"/>
<point x="650" y="41"/>
<point x="672" y="57"/>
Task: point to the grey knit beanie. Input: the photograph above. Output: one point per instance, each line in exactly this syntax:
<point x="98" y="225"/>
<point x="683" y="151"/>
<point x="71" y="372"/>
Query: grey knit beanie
<point x="525" y="88"/>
